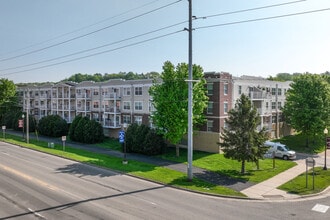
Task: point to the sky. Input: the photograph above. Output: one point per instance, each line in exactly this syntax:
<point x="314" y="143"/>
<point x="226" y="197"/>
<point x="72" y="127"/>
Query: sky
<point x="48" y="41"/>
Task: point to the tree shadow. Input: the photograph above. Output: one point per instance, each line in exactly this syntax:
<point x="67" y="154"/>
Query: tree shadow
<point x="225" y="178"/>
<point x="82" y="170"/>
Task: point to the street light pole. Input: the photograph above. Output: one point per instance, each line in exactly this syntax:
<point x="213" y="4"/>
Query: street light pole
<point x="23" y="116"/>
<point x="190" y="97"/>
<point x="325" y="149"/>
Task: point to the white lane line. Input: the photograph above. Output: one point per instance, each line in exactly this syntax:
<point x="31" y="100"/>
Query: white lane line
<point x="320" y="208"/>
<point x="36" y="213"/>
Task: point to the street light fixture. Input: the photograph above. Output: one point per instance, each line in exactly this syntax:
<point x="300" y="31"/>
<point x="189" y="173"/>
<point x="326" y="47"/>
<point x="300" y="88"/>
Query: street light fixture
<point x="23" y="116"/>
<point x="325" y="149"/>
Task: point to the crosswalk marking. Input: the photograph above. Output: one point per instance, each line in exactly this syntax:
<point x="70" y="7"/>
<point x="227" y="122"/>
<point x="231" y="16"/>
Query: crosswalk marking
<point x="320" y="208"/>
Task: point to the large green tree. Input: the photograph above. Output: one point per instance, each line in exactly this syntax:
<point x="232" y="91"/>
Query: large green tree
<point x="307" y="107"/>
<point x="170" y="99"/>
<point x="240" y="139"/>
<point x="7" y="90"/>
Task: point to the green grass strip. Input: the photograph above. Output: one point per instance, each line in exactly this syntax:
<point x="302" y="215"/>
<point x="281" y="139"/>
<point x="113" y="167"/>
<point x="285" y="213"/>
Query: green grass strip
<point x="134" y="168"/>
<point x="298" y="184"/>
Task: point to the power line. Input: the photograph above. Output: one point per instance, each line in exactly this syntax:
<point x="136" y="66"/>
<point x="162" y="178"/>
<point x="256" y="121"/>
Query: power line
<point x="261" y="19"/>
<point x="81" y="28"/>
<point x="250" y="9"/>
<point x="95" y="48"/>
<point x="94" y="54"/>
<point x="90" y="33"/>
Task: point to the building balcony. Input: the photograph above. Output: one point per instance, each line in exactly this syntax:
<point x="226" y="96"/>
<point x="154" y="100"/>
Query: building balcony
<point x="257" y="95"/>
<point x="111" y="96"/>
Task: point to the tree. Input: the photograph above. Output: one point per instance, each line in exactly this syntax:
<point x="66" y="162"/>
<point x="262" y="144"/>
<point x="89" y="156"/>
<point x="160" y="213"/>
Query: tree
<point x="240" y="140"/>
<point x="307" y="107"/>
<point x="7" y="90"/>
<point x="73" y="127"/>
<point x="170" y="99"/>
<point x="53" y="126"/>
<point x="144" y="140"/>
<point x="85" y="130"/>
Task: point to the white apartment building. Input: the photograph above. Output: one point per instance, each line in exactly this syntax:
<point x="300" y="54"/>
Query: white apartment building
<point x="117" y="101"/>
<point x="111" y="103"/>
<point x="268" y="97"/>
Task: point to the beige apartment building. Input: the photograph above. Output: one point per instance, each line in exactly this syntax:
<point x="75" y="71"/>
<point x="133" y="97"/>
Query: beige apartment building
<point x="115" y="102"/>
<point x="111" y="103"/>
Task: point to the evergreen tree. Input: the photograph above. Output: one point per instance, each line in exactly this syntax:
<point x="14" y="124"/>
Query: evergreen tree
<point x="240" y="140"/>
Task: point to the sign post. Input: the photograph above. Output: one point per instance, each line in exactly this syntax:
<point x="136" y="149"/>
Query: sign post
<point x="310" y="162"/>
<point x="4" y="131"/>
<point x="122" y="141"/>
<point x="63" y="141"/>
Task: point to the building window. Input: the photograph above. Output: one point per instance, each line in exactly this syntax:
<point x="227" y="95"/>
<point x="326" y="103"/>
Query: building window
<point x="225" y="89"/>
<point x="273" y="105"/>
<point x="239" y="90"/>
<point x="138" y="120"/>
<point x="95" y="116"/>
<point x="273" y="91"/>
<point x="225" y="125"/>
<point x="127" y="91"/>
<point x="127" y="105"/>
<point x="96" y="104"/>
<point x="138" y="90"/>
<point x="210" y="108"/>
<point x="127" y="119"/>
<point x="225" y="107"/>
<point x="279" y="105"/>
<point x="279" y="91"/>
<point x="138" y="106"/>
<point x="210" y="88"/>
<point x="96" y="92"/>
<point x="267" y="105"/>
<point x="274" y="119"/>
<point x="209" y="125"/>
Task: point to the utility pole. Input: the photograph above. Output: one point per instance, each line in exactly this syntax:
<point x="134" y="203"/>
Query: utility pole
<point x="27" y="119"/>
<point x="190" y="96"/>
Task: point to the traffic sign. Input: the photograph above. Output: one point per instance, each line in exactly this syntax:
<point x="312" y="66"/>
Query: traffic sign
<point x="20" y="123"/>
<point x="121" y="136"/>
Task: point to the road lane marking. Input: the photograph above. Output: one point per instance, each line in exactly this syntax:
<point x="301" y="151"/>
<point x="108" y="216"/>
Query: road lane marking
<point x="27" y="177"/>
<point x="320" y="208"/>
<point x="36" y="213"/>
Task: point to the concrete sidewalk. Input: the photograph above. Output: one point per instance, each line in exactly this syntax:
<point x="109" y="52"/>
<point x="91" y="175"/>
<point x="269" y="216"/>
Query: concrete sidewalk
<point x="268" y="189"/>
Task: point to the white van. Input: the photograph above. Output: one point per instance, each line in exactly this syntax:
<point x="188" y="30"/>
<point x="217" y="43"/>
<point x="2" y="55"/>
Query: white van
<point x="279" y="150"/>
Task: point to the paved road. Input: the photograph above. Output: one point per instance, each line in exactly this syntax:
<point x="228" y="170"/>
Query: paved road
<point x="34" y="185"/>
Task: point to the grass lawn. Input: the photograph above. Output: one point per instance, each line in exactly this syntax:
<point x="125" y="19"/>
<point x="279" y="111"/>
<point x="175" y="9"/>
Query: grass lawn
<point x="298" y="185"/>
<point x="134" y="168"/>
<point x="110" y="143"/>
<point x="218" y="163"/>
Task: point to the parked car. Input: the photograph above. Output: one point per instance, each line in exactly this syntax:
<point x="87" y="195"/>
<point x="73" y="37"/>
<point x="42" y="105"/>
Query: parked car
<point x="276" y="149"/>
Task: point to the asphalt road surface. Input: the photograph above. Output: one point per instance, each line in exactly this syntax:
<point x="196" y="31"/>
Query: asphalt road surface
<point x="35" y="185"/>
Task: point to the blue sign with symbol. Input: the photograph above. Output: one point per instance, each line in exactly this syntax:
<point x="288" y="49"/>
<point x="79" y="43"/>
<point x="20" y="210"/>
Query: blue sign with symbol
<point x="121" y="136"/>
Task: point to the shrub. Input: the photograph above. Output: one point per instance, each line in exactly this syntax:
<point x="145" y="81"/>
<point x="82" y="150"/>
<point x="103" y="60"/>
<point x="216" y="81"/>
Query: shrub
<point x="144" y="140"/>
<point x="53" y="126"/>
<point x="85" y="130"/>
<point x="73" y="127"/>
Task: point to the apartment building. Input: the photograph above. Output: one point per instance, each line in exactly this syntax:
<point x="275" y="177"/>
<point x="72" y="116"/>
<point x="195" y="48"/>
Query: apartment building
<point x="268" y="97"/>
<point x="111" y="103"/>
<point x="223" y="91"/>
<point x="117" y="101"/>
